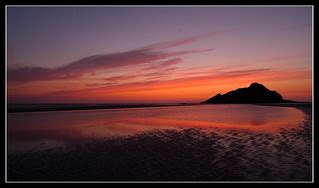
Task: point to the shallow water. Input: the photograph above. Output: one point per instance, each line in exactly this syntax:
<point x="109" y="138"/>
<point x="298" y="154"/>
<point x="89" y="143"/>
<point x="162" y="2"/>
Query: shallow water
<point x="41" y="130"/>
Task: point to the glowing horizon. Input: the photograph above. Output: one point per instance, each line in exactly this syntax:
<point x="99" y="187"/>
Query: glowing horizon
<point x="156" y="55"/>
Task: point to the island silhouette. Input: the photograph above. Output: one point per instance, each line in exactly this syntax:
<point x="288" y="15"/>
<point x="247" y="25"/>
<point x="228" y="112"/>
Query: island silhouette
<point x="255" y="93"/>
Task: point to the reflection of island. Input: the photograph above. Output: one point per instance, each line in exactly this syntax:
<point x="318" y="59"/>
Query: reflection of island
<point x="255" y="93"/>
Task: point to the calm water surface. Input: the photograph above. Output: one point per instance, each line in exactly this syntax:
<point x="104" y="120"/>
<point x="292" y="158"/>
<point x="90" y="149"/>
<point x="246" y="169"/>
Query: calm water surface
<point x="38" y="130"/>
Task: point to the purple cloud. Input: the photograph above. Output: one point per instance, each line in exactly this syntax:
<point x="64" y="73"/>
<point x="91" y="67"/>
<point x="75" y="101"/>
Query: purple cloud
<point x="186" y="40"/>
<point x="148" y="55"/>
<point x="164" y="64"/>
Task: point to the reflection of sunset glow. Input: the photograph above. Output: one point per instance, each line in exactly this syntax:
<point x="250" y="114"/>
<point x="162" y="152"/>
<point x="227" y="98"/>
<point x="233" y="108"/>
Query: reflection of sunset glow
<point x="81" y="126"/>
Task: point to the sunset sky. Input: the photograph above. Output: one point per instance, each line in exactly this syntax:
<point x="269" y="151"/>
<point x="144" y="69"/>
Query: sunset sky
<point x="155" y="54"/>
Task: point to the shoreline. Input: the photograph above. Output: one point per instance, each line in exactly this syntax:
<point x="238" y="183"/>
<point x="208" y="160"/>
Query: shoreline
<point x="305" y="107"/>
<point x="71" y="107"/>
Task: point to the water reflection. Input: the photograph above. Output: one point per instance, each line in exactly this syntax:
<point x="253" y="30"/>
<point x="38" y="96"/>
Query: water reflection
<point x="47" y="129"/>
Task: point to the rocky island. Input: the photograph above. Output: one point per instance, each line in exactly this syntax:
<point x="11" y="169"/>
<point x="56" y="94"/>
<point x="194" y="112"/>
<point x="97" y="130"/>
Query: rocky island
<point x="255" y="93"/>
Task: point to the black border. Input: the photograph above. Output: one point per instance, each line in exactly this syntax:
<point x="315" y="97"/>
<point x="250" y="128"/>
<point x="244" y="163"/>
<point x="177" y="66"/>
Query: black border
<point x="3" y="3"/>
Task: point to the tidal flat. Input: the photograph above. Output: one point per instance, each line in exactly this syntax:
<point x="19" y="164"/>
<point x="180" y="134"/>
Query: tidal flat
<point x="177" y="153"/>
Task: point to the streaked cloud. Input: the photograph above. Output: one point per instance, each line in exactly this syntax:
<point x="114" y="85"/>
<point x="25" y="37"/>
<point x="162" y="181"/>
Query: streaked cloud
<point x="154" y="55"/>
<point x="164" y="64"/>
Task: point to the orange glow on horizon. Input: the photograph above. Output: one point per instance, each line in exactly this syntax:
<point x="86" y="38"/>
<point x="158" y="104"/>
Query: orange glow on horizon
<point x="293" y="85"/>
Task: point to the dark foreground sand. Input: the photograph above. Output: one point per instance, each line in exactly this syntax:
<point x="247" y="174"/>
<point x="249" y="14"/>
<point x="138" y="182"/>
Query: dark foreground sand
<point x="169" y="155"/>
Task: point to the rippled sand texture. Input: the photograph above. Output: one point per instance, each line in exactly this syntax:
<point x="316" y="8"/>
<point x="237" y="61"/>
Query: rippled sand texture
<point x="43" y="130"/>
<point x="184" y="154"/>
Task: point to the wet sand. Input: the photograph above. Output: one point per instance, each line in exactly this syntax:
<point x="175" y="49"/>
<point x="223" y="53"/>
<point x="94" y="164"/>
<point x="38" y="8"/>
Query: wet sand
<point x="176" y="155"/>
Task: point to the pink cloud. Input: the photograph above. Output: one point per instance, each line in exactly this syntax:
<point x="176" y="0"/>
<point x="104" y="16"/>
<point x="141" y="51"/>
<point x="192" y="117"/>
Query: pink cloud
<point x="148" y="55"/>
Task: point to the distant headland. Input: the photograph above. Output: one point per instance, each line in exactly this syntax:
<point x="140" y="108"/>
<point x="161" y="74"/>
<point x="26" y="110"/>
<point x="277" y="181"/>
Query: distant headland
<point x="255" y="93"/>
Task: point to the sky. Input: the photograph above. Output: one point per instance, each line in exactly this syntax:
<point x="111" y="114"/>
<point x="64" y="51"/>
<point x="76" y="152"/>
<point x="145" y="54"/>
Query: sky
<point x="155" y="54"/>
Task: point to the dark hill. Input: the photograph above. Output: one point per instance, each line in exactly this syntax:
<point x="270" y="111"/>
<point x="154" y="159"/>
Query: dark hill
<point x="255" y="93"/>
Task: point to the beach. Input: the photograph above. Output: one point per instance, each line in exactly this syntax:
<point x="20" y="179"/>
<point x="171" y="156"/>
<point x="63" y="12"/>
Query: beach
<point x="185" y="154"/>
